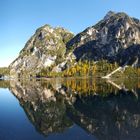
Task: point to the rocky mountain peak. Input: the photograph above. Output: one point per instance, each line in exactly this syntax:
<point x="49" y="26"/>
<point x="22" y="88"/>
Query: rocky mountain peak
<point x="108" y="15"/>
<point x="116" y="32"/>
<point x="114" y="38"/>
<point x="46" y="48"/>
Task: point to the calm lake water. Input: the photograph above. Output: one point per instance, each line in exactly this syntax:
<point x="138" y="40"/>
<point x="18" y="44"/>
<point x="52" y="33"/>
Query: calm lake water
<point x="70" y="109"/>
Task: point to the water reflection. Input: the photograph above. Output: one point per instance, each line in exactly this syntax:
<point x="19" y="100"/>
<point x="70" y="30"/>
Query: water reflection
<point x="4" y="84"/>
<point x="109" y="110"/>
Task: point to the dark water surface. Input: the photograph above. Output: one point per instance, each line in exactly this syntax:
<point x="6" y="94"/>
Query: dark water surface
<point x="70" y="109"/>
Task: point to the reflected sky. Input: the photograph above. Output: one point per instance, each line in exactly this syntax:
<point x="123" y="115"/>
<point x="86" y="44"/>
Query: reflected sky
<point x="15" y="125"/>
<point x="72" y="109"/>
<point x="13" y="121"/>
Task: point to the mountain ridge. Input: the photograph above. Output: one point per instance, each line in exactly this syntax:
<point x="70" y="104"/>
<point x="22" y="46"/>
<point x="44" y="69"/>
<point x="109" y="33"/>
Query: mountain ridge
<point x="111" y="35"/>
<point x="116" y="38"/>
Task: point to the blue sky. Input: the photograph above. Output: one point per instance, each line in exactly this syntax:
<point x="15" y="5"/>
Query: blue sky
<point x="20" y="18"/>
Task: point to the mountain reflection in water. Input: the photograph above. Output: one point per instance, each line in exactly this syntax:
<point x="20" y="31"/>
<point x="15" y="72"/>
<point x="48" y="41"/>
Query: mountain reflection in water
<point x="109" y="110"/>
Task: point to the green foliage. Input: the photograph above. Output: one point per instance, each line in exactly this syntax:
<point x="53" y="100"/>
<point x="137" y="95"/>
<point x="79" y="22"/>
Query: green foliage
<point x="4" y="84"/>
<point x="90" y="68"/>
<point x="4" y="71"/>
<point x="25" y="52"/>
<point x="67" y="37"/>
<point x="131" y="72"/>
<point x="94" y="69"/>
<point x="43" y="73"/>
<point x="82" y="68"/>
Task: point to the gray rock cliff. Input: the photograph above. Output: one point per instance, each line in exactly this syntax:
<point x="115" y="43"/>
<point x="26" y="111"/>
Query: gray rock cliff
<point x="115" y="38"/>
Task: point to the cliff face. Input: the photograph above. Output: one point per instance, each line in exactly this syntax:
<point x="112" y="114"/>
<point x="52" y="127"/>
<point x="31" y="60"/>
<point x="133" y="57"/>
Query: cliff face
<point x="108" y="38"/>
<point x="46" y="48"/>
<point x="115" y="38"/>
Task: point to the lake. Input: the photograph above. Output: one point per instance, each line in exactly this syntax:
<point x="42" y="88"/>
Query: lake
<point x="70" y="109"/>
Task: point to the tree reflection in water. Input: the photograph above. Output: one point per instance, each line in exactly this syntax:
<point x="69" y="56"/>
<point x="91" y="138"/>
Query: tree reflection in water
<point x="110" y="110"/>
